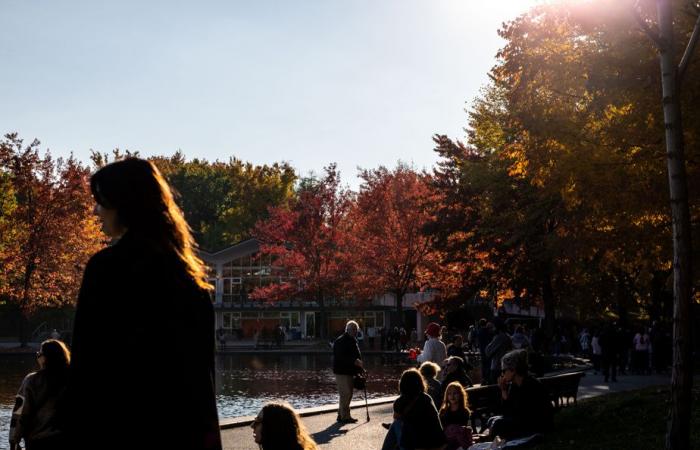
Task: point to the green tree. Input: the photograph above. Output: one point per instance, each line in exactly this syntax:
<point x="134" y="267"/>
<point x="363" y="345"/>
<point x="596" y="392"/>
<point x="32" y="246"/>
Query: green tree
<point x="223" y="201"/>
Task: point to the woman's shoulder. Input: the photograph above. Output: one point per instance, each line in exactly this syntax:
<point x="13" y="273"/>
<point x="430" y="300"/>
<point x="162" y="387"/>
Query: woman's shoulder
<point x="425" y="399"/>
<point x="32" y="376"/>
<point x="102" y="258"/>
<point x="31" y="380"/>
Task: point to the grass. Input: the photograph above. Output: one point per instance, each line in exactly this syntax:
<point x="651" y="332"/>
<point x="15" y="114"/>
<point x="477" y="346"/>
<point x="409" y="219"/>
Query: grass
<point x="626" y="420"/>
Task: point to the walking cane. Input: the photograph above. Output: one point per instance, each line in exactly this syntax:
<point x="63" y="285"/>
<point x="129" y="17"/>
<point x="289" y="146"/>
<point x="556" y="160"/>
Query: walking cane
<point x="366" y="405"/>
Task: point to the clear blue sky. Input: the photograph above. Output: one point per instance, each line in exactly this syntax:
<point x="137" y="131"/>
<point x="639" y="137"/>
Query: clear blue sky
<point x="361" y="82"/>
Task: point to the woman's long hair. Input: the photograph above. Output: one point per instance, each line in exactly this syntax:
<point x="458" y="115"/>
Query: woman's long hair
<point x="282" y="429"/>
<point x="145" y="206"/>
<point x="56" y="362"/>
<point x="463" y="398"/>
<point x="411" y="383"/>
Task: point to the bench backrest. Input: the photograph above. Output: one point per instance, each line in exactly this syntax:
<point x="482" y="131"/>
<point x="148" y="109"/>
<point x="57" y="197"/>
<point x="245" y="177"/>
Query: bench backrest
<point x="485" y="401"/>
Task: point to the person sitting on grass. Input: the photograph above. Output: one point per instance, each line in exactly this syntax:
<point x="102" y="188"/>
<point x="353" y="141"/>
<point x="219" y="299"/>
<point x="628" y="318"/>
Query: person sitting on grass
<point x="279" y="427"/>
<point x="527" y="409"/>
<point x="416" y="422"/>
<point x="430" y="370"/>
<point x="454" y="416"/>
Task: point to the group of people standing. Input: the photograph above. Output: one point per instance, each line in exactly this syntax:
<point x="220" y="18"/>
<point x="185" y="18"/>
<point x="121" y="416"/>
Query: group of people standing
<point x="616" y="350"/>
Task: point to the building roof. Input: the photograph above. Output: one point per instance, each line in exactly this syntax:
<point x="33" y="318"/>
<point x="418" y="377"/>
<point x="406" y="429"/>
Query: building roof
<point x="243" y="248"/>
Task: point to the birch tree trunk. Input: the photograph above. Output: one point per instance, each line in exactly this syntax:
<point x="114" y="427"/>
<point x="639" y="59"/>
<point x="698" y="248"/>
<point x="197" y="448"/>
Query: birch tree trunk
<point x="678" y="432"/>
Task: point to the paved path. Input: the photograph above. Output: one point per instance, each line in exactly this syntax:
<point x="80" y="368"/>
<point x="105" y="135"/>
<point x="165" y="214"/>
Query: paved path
<point x="369" y="435"/>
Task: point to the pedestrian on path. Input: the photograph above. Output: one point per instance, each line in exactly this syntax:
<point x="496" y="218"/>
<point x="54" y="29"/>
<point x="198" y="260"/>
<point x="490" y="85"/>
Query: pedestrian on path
<point x="124" y="392"/>
<point x="434" y="349"/>
<point x="347" y="362"/>
<point x="497" y="348"/>
<point x="608" y="341"/>
<point x="279" y="427"/>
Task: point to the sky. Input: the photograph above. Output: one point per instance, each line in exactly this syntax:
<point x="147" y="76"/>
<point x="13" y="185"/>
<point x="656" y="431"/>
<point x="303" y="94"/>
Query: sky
<point x="361" y="83"/>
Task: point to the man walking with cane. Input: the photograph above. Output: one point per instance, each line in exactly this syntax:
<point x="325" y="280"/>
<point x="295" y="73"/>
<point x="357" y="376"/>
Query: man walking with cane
<point x="346" y="363"/>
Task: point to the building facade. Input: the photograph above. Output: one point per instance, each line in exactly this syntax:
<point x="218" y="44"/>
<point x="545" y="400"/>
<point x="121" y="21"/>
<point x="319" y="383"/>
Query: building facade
<point x="237" y="270"/>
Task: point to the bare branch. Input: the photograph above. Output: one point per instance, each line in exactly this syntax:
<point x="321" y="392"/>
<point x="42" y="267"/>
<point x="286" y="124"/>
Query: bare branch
<point x="689" y="49"/>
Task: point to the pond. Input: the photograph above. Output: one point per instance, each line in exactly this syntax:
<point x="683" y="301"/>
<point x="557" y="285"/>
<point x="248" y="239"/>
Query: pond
<point x="245" y="382"/>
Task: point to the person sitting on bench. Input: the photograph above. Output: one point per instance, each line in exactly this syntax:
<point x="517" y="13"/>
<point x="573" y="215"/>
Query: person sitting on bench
<point x="526" y="406"/>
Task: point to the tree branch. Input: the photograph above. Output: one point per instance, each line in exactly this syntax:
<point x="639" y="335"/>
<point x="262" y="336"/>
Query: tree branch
<point x="689" y="49"/>
<point x="651" y="34"/>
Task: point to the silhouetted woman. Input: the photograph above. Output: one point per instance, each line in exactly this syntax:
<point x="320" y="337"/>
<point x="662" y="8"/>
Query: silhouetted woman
<point x="416" y="422"/>
<point x="34" y="417"/>
<point x="143" y="343"/>
<point x="278" y="427"/>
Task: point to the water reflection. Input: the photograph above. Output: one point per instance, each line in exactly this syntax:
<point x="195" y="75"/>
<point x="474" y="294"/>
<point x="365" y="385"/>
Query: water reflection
<point x="244" y="382"/>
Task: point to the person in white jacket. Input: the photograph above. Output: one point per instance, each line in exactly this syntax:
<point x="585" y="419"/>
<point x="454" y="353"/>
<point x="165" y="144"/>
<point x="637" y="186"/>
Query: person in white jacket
<point x="434" y="349"/>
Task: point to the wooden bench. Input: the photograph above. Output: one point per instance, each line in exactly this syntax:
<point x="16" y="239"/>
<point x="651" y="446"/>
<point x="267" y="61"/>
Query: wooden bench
<point x="485" y="401"/>
<point x="562" y="388"/>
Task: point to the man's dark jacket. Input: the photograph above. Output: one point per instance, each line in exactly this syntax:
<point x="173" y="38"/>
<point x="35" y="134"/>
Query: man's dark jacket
<point x="142" y="372"/>
<point x="345" y="352"/>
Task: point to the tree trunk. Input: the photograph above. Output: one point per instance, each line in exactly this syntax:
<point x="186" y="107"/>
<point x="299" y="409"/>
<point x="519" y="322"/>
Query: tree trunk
<point x="657" y="310"/>
<point x="399" y="307"/>
<point x="678" y="433"/>
<point x="548" y="299"/>
<point x="24" y="305"/>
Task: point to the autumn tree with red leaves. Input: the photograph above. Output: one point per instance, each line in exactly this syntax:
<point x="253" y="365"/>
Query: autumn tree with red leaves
<point x="49" y="232"/>
<point x="308" y="239"/>
<point x="390" y="247"/>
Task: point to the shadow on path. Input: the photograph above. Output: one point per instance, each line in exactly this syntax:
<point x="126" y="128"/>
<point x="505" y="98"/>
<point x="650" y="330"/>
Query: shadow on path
<point x="333" y="431"/>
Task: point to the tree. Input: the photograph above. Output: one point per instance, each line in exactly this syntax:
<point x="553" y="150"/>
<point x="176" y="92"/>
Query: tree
<point x="672" y="73"/>
<point x="563" y="168"/>
<point x="223" y="201"/>
<point x="390" y="247"/>
<point x="53" y="227"/>
<point x="308" y="239"/>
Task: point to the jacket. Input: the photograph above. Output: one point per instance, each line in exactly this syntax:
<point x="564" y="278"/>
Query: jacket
<point x="497" y="348"/>
<point x="433" y="350"/>
<point x="142" y="355"/>
<point x="421" y="423"/>
<point x="345" y="352"/>
<point x="34" y="415"/>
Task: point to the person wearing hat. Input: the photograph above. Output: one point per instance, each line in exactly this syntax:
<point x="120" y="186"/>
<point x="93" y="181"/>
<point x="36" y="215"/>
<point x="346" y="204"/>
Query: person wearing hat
<point x="526" y="406"/>
<point x="434" y="349"/>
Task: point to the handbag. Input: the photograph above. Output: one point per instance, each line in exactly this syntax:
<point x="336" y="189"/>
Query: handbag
<point x="359" y="381"/>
